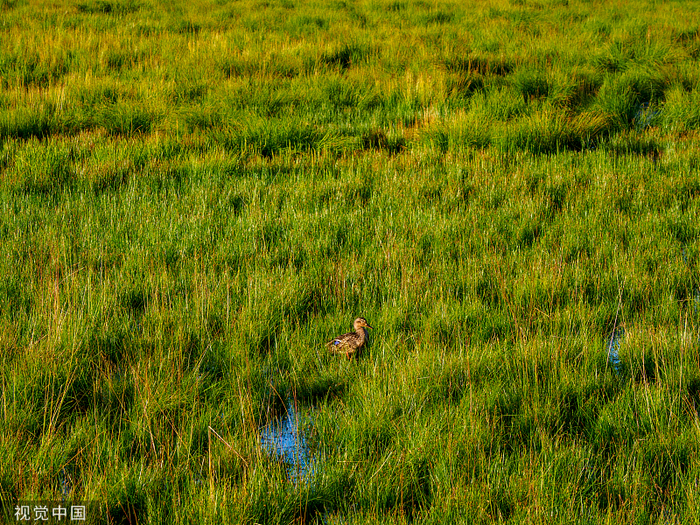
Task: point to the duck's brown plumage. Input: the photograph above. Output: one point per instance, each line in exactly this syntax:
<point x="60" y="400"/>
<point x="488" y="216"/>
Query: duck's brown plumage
<point x="348" y="344"/>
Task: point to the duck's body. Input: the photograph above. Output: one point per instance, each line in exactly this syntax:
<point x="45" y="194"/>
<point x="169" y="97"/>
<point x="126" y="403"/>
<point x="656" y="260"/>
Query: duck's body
<point x="348" y="344"/>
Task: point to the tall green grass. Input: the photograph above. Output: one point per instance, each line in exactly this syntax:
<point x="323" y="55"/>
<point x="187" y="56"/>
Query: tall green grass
<point x="195" y="196"/>
<point x="347" y="71"/>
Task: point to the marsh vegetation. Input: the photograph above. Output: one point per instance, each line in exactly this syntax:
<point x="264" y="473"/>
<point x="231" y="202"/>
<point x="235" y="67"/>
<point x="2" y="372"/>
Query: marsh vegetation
<point x="195" y="196"/>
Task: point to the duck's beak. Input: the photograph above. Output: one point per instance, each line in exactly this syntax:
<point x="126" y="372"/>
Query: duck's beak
<point x="368" y="326"/>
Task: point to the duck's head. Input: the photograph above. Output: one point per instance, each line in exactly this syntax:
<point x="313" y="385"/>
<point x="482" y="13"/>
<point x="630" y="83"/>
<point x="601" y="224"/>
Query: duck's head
<point x="361" y="322"/>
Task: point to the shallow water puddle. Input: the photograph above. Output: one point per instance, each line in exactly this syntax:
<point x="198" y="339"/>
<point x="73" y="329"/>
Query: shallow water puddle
<point x="614" y="347"/>
<point x="645" y="116"/>
<point x="281" y="437"/>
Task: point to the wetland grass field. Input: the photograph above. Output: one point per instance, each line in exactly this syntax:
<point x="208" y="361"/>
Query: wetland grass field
<point x="195" y="196"/>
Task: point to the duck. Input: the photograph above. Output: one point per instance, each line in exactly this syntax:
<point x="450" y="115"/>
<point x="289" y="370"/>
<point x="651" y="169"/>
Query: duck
<point x="348" y="344"/>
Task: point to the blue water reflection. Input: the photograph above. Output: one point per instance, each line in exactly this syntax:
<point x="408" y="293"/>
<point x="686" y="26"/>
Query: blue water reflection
<point x="614" y="347"/>
<point x="281" y="436"/>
